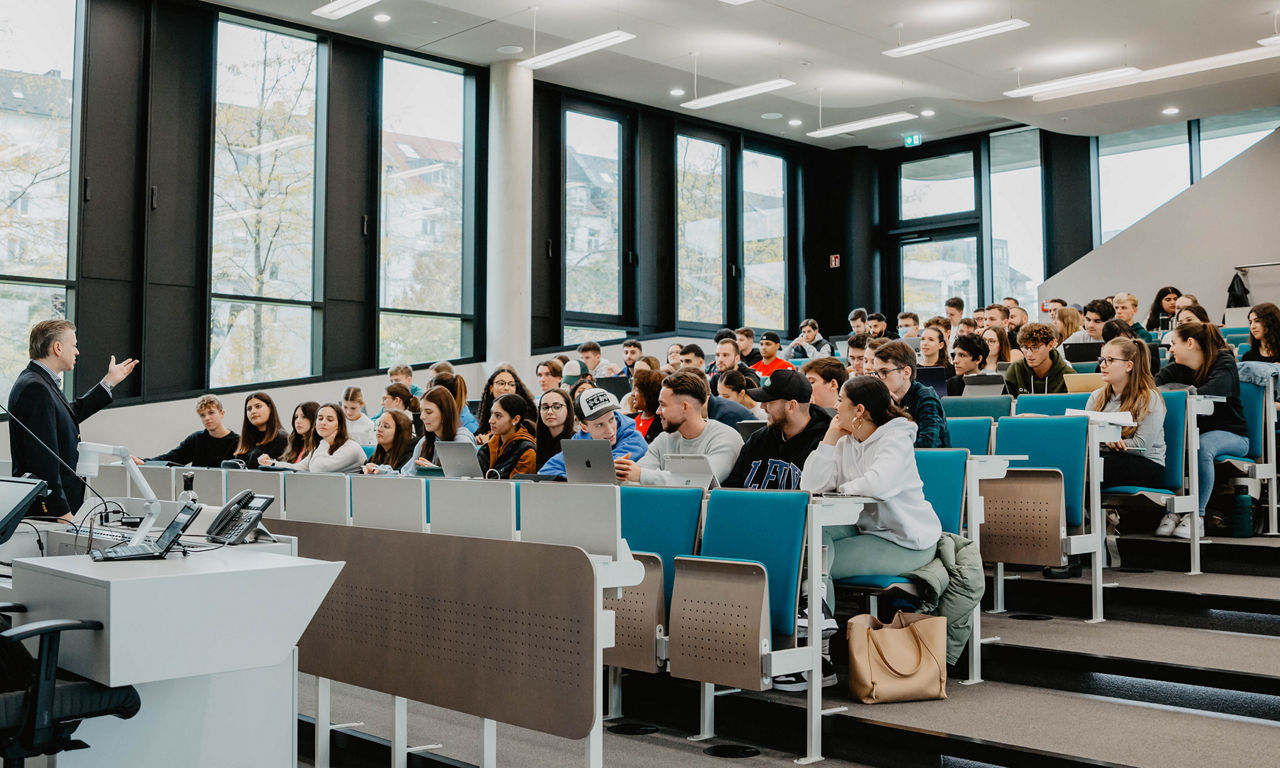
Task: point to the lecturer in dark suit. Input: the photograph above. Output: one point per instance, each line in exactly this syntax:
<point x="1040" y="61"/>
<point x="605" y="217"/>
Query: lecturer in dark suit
<point x="36" y="400"/>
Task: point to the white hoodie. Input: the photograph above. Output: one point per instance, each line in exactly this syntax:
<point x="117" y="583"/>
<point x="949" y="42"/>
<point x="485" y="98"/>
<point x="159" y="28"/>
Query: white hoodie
<point x="884" y="468"/>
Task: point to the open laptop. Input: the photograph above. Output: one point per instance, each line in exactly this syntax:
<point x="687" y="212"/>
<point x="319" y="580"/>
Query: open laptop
<point x="458" y="459"/>
<point x="588" y="461"/>
<point x="618" y="386"/>
<point x="152" y="550"/>
<point x="933" y="376"/>
<point x="748" y="427"/>
<point x="1082" y="351"/>
<point x="983" y="385"/>
<point x="690" y="471"/>
<point x="911" y="341"/>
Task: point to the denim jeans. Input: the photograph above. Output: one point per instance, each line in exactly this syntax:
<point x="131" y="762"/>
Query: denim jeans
<point x="1212" y="446"/>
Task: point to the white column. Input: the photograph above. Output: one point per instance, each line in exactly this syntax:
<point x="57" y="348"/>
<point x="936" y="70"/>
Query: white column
<point x="510" y="214"/>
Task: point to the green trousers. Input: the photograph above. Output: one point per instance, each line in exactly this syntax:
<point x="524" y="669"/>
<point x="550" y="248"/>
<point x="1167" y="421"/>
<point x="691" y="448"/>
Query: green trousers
<point x="854" y="554"/>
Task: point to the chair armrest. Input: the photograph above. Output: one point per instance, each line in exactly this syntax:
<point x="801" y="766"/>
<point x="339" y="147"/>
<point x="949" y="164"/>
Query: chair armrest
<point x="38" y="628"/>
<point x="12" y="608"/>
<point x="39" y="727"/>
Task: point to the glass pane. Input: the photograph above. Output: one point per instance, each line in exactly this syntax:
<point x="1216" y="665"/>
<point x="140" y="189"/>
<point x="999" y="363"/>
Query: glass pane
<point x="412" y="339"/>
<point x="574" y="335"/>
<point x="1139" y="171"/>
<point x="422" y="194"/>
<point x="592" y="259"/>
<point x="37" y="52"/>
<point x="937" y="186"/>
<point x="264" y="164"/>
<point x="252" y="342"/>
<point x="22" y="306"/>
<point x="764" y="232"/>
<point x="1017" y="232"/>
<point x="935" y="271"/>
<point x="1225" y="136"/>
<point x="700" y="219"/>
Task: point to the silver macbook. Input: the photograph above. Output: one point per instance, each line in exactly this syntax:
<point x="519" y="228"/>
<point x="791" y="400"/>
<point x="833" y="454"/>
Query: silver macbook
<point x="589" y="461"/>
<point x="458" y="459"/>
<point x="691" y="471"/>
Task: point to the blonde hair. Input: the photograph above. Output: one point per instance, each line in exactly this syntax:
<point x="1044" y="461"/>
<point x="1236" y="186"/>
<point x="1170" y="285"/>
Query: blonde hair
<point x="1069" y="317"/>
<point x="1124" y="298"/>
<point x="206" y="402"/>
<point x="1140" y="387"/>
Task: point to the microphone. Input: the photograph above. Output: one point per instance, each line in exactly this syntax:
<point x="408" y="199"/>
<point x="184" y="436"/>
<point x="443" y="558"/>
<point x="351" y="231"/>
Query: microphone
<point x="104" y="503"/>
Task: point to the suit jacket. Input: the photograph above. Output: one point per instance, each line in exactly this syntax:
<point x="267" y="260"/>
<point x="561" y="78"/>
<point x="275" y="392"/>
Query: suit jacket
<point x="36" y="400"/>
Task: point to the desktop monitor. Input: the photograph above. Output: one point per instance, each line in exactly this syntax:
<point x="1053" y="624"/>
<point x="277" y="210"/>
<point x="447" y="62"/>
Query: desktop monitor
<point x="16" y="496"/>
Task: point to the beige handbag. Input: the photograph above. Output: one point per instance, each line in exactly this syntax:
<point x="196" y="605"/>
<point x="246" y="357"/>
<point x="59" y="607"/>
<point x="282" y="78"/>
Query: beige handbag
<point x="904" y="660"/>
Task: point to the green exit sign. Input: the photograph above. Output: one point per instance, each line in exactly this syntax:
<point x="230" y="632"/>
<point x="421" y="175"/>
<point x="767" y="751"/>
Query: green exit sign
<point x="912" y="140"/>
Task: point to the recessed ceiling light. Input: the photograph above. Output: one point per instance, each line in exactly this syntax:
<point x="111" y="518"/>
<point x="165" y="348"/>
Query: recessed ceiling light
<point x="927" y="113"/>
<point x="771" y="116"/>
<point x="1170" y="111"/>
<point x="510" y="49"/>
<point x="677" y="91"/>
<point x="795" y="122"/>
<point x="954" y="38"/>
<point x="382" y="18"/>
<point x="579" y="48"/>
<point x="339" y="8"/>
<point x="859" y="125"/>
<point x="734" y="94"/>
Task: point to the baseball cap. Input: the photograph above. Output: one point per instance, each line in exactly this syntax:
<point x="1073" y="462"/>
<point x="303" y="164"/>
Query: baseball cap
<point x="594" y="403"/>
<point x="573" y="371"/>
<point x="770" y="336"/>
<point x="785" y="384"/>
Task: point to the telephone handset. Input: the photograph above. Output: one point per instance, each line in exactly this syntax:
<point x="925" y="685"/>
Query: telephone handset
<point x="238" y="518"/>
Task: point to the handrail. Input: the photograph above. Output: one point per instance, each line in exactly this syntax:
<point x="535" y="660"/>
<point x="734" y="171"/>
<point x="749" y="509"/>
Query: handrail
<point x="1246" y="267"/>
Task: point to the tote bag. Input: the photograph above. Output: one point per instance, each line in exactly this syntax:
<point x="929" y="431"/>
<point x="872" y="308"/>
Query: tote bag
<point x="900" y="661"/>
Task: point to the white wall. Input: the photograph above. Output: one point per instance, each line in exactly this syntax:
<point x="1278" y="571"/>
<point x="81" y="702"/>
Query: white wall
<point x="1193" y="241"/>
<point x="153" y="428"/>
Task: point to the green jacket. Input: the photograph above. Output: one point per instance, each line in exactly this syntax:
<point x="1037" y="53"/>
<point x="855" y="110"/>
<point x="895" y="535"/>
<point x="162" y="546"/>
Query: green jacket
<point x="1021" y="380"/>
<point x="953" y="585"/>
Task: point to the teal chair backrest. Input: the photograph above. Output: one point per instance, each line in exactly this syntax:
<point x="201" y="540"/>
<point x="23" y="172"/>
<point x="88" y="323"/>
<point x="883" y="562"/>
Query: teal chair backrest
<point x="1242" y="350"/>
<point x="1091" y="367"/>
<point x="368" y="450"/>
<point x="995" y="407"/>
<point x="1253" y="400"/>
<point x="1175" y="437"/>
<point x="973" y="433"/>
<point x="663" y="521"/>
<point x="942" y="470"/>
<point x="1051" y="405"/>
<point x="1056" y="442"/>
<point x="1235" y="329"/>
<point x="1235" y="339"/>
<point x="766" y="527"/>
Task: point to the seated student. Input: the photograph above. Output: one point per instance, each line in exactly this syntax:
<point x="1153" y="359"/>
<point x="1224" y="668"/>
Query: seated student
<point x="691" y="356"/>
<point x="998" y="349"/>
<point x="1201" y="358"/>
<point x="908" y="325"/>
<point x="774" y="457"/>
<point x="968" y="357"/>
<point x="733" y="386"/>
<point x="303" y="439"/>
<point x="878" y="327"/>
<point x="686" y="432"/>
<point x="550" y="375"/>
<point x="722" y="409"/>
<point x="457" y="386"/>
<point x="770" y="346"/>
<point x="1264" y="334"/>
<point x="1192" y="314"/>
<point x="555" y="423"/>
<point x="1054" y="305"/>
<point x="953" y="308"/>
<point x="1164" y="308"/>
<point x="207" y="448"/>
<point x="810" y="344"/>
<point x="746" y="338"/>
<point x="359" y="426"/>
<point x="394" y="443"/>
<point x="727" y="359"/>
<point x="503" y="381"/>
<point x="581" y="385"/>
<point x="673" y="353"/>
<point x="397" y="398"/>
<point x="573" y="372"/>
<point x="631" y="352"/>
<point x="261" y="433"/>
<point x="1138" y="459"/>
<point x="511" y="448"/>
<point x="335" y="451"/>
<point x="1067" y="321"/>
<point x="1126" y="306"/>
<point x="648" y="363"/>
<point x="441" y="424"/>
<point x="825" y="376"/>
<point x="942" y="324"/>
<point x="966" y="326"/>
<point x="403" y="374"/>
<point x="645" y="388"/>
<point x="1041" y="373"/>
<point x="590" y="353"/>
<point x="1118" y="328"/>
<point x="933" y="350"/>
<point x="1096" y="313"/>
<point x="997" y="314"/>
<point x="599" y="418"/>
<point x="857" y="350"/>
<point x="857" y="321"/>
<point x="895" y="365"/>
<point x="1018" y="318"/>
<point x="980" y="317"/>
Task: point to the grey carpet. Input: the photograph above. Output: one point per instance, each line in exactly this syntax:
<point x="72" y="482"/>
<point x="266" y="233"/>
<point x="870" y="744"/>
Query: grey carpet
<point x="1253" y="541"/>
<point x="1262" y="587"/>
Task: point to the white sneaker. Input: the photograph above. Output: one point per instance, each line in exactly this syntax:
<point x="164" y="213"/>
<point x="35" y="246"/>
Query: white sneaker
<point x="1167" y="524"/>
<point x="799" y="681"/>
<point x="1183" y="531"/>
<point x="829" y="625"/>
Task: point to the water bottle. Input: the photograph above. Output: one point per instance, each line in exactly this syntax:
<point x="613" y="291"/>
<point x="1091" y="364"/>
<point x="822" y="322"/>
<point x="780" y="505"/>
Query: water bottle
<point x="1242" y="514"/>
<point x="188" y="495"/>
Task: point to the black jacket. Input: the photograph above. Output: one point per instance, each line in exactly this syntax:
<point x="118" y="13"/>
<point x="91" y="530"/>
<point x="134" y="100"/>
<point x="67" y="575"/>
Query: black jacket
<point x="200" y="449"/>
<point x="750" y="374"/>
<point x="275" y="448"/>
<point x="752" y="357"/>
<point x="36" y="400"/>
<point x="1223" y="379"/>
<point x="769" y="460"/>
<point x="925" y="408"/>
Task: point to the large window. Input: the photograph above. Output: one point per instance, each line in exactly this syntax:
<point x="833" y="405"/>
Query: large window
<point x="423" y="270"/>
<point x="936" y="269"/>
<point x="263" y="207"/>
<point x="37" y="60"/>
<point x="700" y="253"/>
<point x="937" y="186"/>
<point x="1138" y="171"/>
<point x="1017" y="231"/>
<point x="764" y="240"/>
<point x="1225" y="136"/>
<point x="592" y="250"/>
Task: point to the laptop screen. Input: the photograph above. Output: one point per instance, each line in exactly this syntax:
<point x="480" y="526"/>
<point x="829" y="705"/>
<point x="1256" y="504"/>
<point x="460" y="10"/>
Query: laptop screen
<point x="176" y="527"/>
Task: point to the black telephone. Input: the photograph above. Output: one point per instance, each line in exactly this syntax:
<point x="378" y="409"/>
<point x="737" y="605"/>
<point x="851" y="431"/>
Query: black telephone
<point x="238" y="518"/>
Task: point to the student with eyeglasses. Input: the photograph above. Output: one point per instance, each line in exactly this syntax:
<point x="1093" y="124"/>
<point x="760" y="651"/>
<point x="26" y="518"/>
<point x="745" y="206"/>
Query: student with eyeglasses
<point x="1138" y="458"/>
<point x="1043" y="369"/>
<point x="555" y="423"/>
<point x="895" y="365"/>
<point x="601" y="418"/>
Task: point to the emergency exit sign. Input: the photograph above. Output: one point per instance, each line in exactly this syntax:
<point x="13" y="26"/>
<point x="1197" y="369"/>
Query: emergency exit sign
<point x="912" y="140"/>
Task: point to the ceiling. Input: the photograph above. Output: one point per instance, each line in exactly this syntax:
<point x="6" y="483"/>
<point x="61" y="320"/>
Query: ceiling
<point x="832" y="50"/>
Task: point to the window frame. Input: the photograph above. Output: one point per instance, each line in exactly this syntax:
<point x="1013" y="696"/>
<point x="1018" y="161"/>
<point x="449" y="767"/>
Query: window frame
<point x="794" y="279"/>
<point x="731" y="195"/>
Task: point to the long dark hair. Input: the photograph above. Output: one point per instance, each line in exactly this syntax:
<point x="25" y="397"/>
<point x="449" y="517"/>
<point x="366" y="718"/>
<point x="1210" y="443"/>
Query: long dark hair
<point x="455" y="385"/>
<point x="517" y="408"/>
<point x="1269" y="315"/>
<point x="487" y="399"/>
<point x="250" y="436"/>
<point x="548" y="445"/>
<point x="1210" y="341"/>
<point x="873" y="395"/>
<point x="402" y="393"/>
<point x="1153" y="316"/>
<point x="401" y="441"/>
<point x="442" y="399"/>
<point x="300" y="445"/>
<point x="341" y="437"/>
<point x="645" y="388"/>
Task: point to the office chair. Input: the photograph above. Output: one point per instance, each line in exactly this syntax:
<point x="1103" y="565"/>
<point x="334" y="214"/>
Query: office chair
<point x="40" y="709"/>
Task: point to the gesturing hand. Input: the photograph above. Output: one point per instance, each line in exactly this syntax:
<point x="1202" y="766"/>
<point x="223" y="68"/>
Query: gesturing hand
<point x="117" y="372"/>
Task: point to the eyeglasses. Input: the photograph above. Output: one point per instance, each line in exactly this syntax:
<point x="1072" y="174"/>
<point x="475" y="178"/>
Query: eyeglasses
<point x="882" y="375"/>
<point x="1110" y="360"/>
<point x="551" y="407"/>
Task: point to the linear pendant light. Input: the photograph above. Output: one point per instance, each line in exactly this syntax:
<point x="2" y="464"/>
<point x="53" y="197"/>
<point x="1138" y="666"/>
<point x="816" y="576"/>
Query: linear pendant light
<point x="734" y="94"/>
<point x="955" y="38"/>
<point x="1089" y="78"/>
<point x="1170" y="70"/>
<point x="574" y="50"/>
<point x="339" y="8"/>
<point x="862" y="125"/>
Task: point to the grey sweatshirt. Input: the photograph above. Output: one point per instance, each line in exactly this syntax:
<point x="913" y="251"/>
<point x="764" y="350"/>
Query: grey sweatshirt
<point x="1150" y="434"/>
<point x="718" y="442"/>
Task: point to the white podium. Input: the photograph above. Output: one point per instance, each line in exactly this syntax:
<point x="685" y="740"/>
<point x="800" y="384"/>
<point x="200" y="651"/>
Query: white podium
<point x="208" y="640"/>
